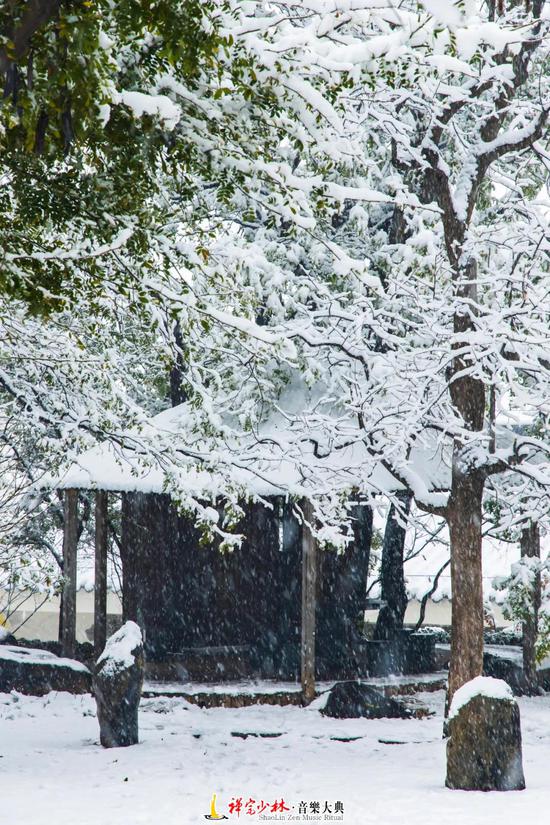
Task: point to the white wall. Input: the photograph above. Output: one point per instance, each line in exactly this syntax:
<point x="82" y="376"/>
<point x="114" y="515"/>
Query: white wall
<point x="437" y="613"/>
<point x="43" y="622"/>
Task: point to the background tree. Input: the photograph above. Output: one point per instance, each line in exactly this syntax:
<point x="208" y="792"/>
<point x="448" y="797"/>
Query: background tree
<point x="393" y="590"/>
<point x="430" y="357"/>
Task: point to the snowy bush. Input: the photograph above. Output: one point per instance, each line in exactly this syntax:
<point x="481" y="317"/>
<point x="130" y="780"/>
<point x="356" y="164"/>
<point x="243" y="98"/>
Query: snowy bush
<point x="503" y="636"/>
<point x="519" y="604"/>
<point x="439" y="633"/>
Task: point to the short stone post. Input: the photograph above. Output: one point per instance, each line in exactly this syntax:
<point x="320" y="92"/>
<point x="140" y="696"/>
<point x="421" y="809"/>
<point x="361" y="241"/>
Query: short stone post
<point x="484" y="744"/>
<point x="117" y="683"/>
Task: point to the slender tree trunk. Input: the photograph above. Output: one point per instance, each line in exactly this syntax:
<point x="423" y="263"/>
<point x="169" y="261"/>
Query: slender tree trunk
<point x="428" y="595"/>
<point x="389" y="623"/>
<point x="530" y="548"/>
<point x="464" y="519"/>
<point x="309" y="599"/>
<point x="100" y="589"/>
<point x="70" y="542"/>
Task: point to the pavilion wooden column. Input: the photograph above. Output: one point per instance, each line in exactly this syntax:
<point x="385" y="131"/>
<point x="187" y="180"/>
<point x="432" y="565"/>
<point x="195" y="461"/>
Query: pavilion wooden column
<point x="309" y="600"/>
<point x="70" y="541"/>
<point x="100" y="589"/>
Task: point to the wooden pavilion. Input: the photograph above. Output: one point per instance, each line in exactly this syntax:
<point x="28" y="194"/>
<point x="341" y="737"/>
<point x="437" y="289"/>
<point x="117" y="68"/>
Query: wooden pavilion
<point x="274" y="608"/>
<point x="213" y="615"/>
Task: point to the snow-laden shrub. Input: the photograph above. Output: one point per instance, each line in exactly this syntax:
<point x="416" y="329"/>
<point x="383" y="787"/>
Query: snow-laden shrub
<point x="439" y="633"/>
<point x="503" y="636"/>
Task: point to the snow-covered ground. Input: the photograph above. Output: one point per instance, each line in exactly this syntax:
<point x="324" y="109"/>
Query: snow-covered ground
<point x="53" y="771"/>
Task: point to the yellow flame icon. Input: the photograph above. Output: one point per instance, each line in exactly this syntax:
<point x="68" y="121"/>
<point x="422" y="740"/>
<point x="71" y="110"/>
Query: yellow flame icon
<point x="214" y="815"/>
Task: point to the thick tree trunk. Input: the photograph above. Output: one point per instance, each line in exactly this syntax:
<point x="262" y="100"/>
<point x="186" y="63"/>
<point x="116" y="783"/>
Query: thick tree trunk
<point x="389" y="623"/>
<point x="464" y="519"/>
<point x="530" y="548"/>
<point x="464" y="510"/>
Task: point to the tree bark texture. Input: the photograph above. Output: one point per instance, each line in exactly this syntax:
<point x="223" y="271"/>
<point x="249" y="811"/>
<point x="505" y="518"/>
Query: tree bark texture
<point x="465" y="511"/>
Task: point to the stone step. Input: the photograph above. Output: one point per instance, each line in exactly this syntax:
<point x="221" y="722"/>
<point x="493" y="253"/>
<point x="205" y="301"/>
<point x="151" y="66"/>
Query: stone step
<point x="267" y="693"/>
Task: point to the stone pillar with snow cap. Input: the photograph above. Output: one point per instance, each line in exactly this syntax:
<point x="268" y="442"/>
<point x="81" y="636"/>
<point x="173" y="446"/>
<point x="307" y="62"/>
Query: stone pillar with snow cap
<point x="484" y="744"/>
<point x="117" y="683"/>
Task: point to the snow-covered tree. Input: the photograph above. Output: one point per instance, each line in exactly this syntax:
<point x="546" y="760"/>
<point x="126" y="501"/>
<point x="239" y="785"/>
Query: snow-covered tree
<point x="180" y="136"/>
<point x="414" y="364"/>
<point x="343" y="207"/>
